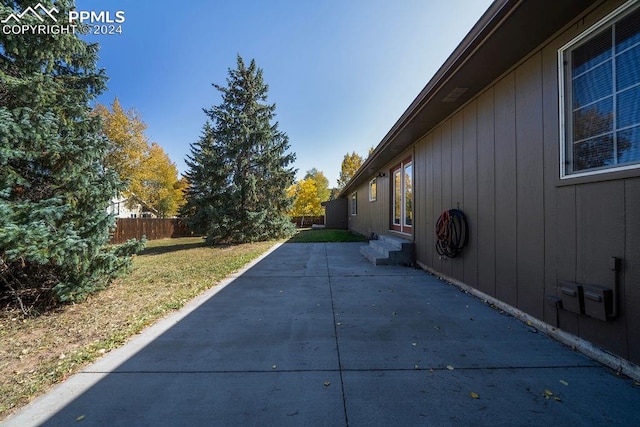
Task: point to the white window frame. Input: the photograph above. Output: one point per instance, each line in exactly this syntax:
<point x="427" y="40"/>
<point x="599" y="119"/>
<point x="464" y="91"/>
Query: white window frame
<point x="565" y="118"/>
<point x="401" y="168"/>
<point x="373" y="184"/>
<point x="354" y="204"/>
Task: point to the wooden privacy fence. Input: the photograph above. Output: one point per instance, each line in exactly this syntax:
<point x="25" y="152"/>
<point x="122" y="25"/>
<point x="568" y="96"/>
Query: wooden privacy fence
<point x="152" y="228"/>
<point x="307" y="221"/>
<point x="165" y="228"/>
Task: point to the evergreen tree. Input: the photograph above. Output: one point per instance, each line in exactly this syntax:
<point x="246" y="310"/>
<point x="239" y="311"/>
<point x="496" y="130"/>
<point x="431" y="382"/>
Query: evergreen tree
<point x="54" y="187"/>
<point x="239" y="169"/>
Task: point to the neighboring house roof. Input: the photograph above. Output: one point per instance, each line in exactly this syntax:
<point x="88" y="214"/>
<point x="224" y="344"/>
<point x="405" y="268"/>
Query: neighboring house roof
<point x="506" y="33"/>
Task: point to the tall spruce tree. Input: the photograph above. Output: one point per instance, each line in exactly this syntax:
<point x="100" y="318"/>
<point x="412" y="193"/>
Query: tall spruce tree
<point x="239" y="170"/>
<point x="54" y="187"/>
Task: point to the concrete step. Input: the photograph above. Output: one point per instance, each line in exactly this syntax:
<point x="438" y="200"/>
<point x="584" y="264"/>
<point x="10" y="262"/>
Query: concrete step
<point x="389" y="250"/>
<point x="383" y="247"/>
<point x="398" y="242"/>
<point x="374" y="256"/>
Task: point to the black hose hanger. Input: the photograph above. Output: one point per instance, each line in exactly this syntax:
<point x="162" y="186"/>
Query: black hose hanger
<point x="452" y="232"/>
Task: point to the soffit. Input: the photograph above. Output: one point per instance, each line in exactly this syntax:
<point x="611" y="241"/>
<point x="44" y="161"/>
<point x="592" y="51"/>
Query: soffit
<point x="507" y="32"/>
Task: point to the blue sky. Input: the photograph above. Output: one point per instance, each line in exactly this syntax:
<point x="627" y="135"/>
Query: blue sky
<point x="341" y="72"/>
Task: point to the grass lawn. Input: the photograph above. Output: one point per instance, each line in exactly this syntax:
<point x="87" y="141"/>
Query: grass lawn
<point x="36" y="353"/>
<point x="308" y="235"/>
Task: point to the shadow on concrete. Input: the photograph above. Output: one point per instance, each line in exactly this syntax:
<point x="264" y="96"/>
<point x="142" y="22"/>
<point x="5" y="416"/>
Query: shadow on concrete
<point x="313" y="334"/>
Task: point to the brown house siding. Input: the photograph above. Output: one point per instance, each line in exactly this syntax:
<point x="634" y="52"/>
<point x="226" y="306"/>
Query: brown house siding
<point x="336" y="213"/>
<point x="497" y="158"/>
<point x="372" y="216"/>
<point x="631" y="270"/>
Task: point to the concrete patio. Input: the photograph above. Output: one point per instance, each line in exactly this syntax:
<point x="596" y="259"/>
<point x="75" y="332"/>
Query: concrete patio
<point x="313" y="334"/>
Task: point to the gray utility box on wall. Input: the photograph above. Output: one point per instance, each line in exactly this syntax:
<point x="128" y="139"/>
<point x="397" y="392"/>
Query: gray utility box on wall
<point x="598" y="302"/>
<point x="571" y="296"/>
<point x="593" y="300"/>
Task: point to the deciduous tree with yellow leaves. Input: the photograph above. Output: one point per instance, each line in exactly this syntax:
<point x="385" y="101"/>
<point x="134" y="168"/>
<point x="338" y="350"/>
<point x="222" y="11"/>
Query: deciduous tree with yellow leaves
<point x="158" y="182"/>
<point x="350" y="165"/>
<point x="125" y="129"/>
<point x="309" y="193"/>
<point x="145" y="167"/>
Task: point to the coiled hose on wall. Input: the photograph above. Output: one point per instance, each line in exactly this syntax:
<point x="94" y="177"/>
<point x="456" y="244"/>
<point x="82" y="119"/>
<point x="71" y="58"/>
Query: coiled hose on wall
<point x="452" y="232"/>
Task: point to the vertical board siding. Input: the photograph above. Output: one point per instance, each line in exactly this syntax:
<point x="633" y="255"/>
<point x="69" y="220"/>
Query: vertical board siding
<point x="600" y="220"/>
<point x="376" y="219"/>
<point x="420" y="198"/>
<point x="498" y="159"/>
<point x="530" y="187"/>
<point x="457" y="181"/>
<point x="373" y="216"/>
<point x="365" y="209"/>
<point x="336" y="213"/>
<point x="630" y="275"/>
<point x="358" y="222"/>
<point x="430" y="212"/>
<point x="486" y="231"/>
<point x="551" y="152"/>
<point x="470" y="193"/>
<point x="436" y="153"/>
<point x="446" y="183"/>
<point x="565" y="242"/>
<point x="382" y="205"/>
<point x="505" y="196"/>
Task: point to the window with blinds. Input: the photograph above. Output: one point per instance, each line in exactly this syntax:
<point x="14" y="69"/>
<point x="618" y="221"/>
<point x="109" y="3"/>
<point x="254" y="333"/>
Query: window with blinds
<point x="600" y="87"/>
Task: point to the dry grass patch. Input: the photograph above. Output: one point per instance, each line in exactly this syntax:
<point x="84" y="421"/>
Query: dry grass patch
<point x="36" y="353"/>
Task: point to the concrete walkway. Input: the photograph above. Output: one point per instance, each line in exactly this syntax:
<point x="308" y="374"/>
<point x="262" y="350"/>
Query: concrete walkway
<point x="314" y="335"/>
